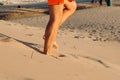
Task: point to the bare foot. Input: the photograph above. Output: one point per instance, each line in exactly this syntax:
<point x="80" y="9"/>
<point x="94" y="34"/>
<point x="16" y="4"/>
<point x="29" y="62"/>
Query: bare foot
<point x="55" y="45"/>
<point x="55" y="53"/>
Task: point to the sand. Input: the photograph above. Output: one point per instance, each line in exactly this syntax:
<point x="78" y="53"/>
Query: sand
<point x="101" y="23"/>
<point x="87" y="56"/>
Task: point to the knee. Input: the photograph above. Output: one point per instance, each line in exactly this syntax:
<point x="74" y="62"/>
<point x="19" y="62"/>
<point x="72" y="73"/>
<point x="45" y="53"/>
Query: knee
<point x="71" y="6"/>
<point x="55" y="21"/>
<point x="74" y="5"/>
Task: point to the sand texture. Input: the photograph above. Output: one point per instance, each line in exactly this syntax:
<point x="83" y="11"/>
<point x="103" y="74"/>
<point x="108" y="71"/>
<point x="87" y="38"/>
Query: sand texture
<point x="90" y="41"/>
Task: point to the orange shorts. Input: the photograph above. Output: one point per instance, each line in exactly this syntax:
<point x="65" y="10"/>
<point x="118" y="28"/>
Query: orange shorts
<point x="55" y="2"/>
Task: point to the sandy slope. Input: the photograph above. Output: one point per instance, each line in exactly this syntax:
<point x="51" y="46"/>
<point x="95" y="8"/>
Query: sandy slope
<point x="85" y="59"/>
<point x="89" y="55"/>
<point x="102" y="23"/>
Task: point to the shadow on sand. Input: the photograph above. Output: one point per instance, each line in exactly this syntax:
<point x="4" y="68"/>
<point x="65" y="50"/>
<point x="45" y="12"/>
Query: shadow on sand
<point x="33" y="46"/>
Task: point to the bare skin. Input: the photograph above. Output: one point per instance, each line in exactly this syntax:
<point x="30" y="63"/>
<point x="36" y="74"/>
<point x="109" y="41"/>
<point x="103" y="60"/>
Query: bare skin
<point x="55" y="45"/>
<point x="58" y="14"/>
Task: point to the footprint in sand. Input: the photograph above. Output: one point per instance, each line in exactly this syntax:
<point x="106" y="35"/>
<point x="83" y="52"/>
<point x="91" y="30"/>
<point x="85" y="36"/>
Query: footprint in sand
<point x="29" y="34"/>
<point x="55" y="53"/>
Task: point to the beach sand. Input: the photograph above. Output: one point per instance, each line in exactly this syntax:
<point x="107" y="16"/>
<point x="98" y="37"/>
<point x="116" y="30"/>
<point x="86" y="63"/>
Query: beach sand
<point x="89" y="39"/>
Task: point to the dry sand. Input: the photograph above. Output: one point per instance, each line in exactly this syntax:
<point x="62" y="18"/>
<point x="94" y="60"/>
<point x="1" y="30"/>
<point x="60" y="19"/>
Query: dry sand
<point x="87" y="58"/>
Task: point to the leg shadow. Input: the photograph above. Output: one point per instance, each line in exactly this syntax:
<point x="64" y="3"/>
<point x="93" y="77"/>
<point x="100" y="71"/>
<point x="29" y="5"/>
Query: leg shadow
<point x="33" y="46"/>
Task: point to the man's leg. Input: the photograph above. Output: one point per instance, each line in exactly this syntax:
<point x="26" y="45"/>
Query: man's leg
<point x="56" y="12"/>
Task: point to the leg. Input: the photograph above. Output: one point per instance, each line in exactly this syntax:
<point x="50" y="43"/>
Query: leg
<point x="56" y="12"/>
<point x="54" y="44"/>
<point x="70" y="7"/>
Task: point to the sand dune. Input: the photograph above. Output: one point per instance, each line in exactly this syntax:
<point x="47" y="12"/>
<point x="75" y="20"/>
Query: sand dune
<point x="86" y="59"/>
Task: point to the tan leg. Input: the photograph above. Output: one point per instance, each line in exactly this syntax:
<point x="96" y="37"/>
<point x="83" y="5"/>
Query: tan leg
<point x="56" y="12"/>
<point x="57" y="17"/>
<point x="55" y="45"/>
<point x="69" y="9"/>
